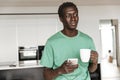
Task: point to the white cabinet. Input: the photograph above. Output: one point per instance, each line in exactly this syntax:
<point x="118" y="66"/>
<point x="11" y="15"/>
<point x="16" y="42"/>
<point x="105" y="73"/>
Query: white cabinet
<point x="34" y="30"/>
<point x="24" y="30"/>
<point x="8" y="43"/>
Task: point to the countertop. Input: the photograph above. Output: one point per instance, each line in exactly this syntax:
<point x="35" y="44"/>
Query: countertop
<point x="22" y="65"/>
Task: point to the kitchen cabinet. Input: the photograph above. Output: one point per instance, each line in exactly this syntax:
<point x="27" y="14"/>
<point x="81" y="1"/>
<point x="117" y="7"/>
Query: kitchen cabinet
<point x="24" y="30"/>
<point x="22" y="74"/>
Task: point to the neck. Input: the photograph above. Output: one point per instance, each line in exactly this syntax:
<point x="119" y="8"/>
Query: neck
<point x="70" y="33"/>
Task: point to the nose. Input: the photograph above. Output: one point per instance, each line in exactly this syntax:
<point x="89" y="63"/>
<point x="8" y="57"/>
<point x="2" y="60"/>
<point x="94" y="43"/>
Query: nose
<point x="73" y="18"/>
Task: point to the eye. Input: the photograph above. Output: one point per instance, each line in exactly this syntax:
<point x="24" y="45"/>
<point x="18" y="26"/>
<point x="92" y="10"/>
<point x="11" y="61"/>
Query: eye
<point x="68" y="16"/>
<point x="75" y="15"/>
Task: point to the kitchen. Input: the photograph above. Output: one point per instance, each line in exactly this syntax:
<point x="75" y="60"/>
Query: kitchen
<point x="21" y="26"/>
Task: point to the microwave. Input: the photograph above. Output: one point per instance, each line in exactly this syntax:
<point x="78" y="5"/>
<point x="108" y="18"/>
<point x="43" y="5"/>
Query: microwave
<point x="30" y="53"/>
<point x="27" y="54"/>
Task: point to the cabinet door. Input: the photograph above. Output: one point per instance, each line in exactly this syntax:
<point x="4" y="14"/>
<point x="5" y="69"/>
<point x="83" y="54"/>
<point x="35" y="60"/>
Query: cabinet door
<point x="47" y="27"/>
<point x="8" y="43"/>
<point x="34" y="30"/>
<point x="27" y="30"/>
<point x="22" y="74"/>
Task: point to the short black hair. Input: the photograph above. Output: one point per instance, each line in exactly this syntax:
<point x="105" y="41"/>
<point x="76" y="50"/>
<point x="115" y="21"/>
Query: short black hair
<point x="65" y="5"/>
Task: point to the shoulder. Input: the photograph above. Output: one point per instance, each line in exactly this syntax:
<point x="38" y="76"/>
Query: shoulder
<point x="84" y="35"/>
<point x="54" y="37"/>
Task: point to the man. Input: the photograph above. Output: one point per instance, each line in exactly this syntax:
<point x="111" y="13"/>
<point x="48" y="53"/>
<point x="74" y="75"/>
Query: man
<point x="66" y="44"/>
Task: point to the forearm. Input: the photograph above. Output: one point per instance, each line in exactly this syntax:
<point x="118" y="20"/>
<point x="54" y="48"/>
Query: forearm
<point x="94" y="61"/>
<point x="92" y="67"/>
<point x="65" y="68"/>
<point x="50" y="74"/>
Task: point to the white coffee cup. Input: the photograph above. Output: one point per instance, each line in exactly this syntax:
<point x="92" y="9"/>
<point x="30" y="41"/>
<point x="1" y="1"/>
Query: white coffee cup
<point x="85" y="55"/>
<point x="74" y="61"/>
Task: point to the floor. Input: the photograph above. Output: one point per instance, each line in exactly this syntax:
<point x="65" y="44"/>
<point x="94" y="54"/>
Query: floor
<point x="109" y="71"/>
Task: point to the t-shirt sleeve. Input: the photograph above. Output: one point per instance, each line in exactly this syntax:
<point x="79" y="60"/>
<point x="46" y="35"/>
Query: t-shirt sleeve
<point x="92" y="45"/>
<point x="47" y="56"/>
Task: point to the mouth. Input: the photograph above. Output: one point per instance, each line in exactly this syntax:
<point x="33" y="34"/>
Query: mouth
<point x="73" y="24"/>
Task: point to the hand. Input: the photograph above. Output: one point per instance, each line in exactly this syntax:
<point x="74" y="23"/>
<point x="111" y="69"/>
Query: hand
<point x="67" y="67"/>
<point x="94" y="57"/>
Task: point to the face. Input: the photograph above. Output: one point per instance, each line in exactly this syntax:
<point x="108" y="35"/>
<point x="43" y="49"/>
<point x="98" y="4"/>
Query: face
<point x="70" y="19"/>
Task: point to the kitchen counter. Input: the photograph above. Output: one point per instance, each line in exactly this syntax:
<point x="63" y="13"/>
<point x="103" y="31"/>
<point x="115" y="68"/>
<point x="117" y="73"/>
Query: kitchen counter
<point x="21" y="65"/>
<point x="22" y="72"/>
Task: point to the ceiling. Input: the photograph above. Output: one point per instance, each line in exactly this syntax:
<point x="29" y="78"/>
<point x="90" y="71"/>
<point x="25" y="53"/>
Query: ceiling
<point x="37" y="3"/>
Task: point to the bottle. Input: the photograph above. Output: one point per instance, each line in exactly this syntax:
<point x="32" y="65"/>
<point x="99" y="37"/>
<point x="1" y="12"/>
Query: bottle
<point x="110" y="59"/>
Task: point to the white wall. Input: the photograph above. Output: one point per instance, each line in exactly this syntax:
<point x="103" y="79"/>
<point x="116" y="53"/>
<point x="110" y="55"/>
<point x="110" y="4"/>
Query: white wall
<point x="88" y="23"/>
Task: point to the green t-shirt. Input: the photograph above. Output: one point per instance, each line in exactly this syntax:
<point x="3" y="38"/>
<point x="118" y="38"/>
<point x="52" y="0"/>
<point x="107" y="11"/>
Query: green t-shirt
<point x="60" y="47"/>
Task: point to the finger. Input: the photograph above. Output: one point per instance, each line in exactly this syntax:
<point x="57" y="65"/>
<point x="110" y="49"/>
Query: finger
<point x="66" y="70"/>
<point x="69" y="69"/>
<point x="94" y="55"/>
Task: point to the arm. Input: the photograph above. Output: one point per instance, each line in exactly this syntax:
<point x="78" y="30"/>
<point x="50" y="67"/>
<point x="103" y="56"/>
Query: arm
<point x="94" y="59"/>
<point x="65" y="68"/>
<point x="50" y="74"/>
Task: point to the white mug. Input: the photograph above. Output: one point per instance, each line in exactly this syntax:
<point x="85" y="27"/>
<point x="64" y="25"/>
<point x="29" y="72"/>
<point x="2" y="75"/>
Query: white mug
<point x="85" y="55"/>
